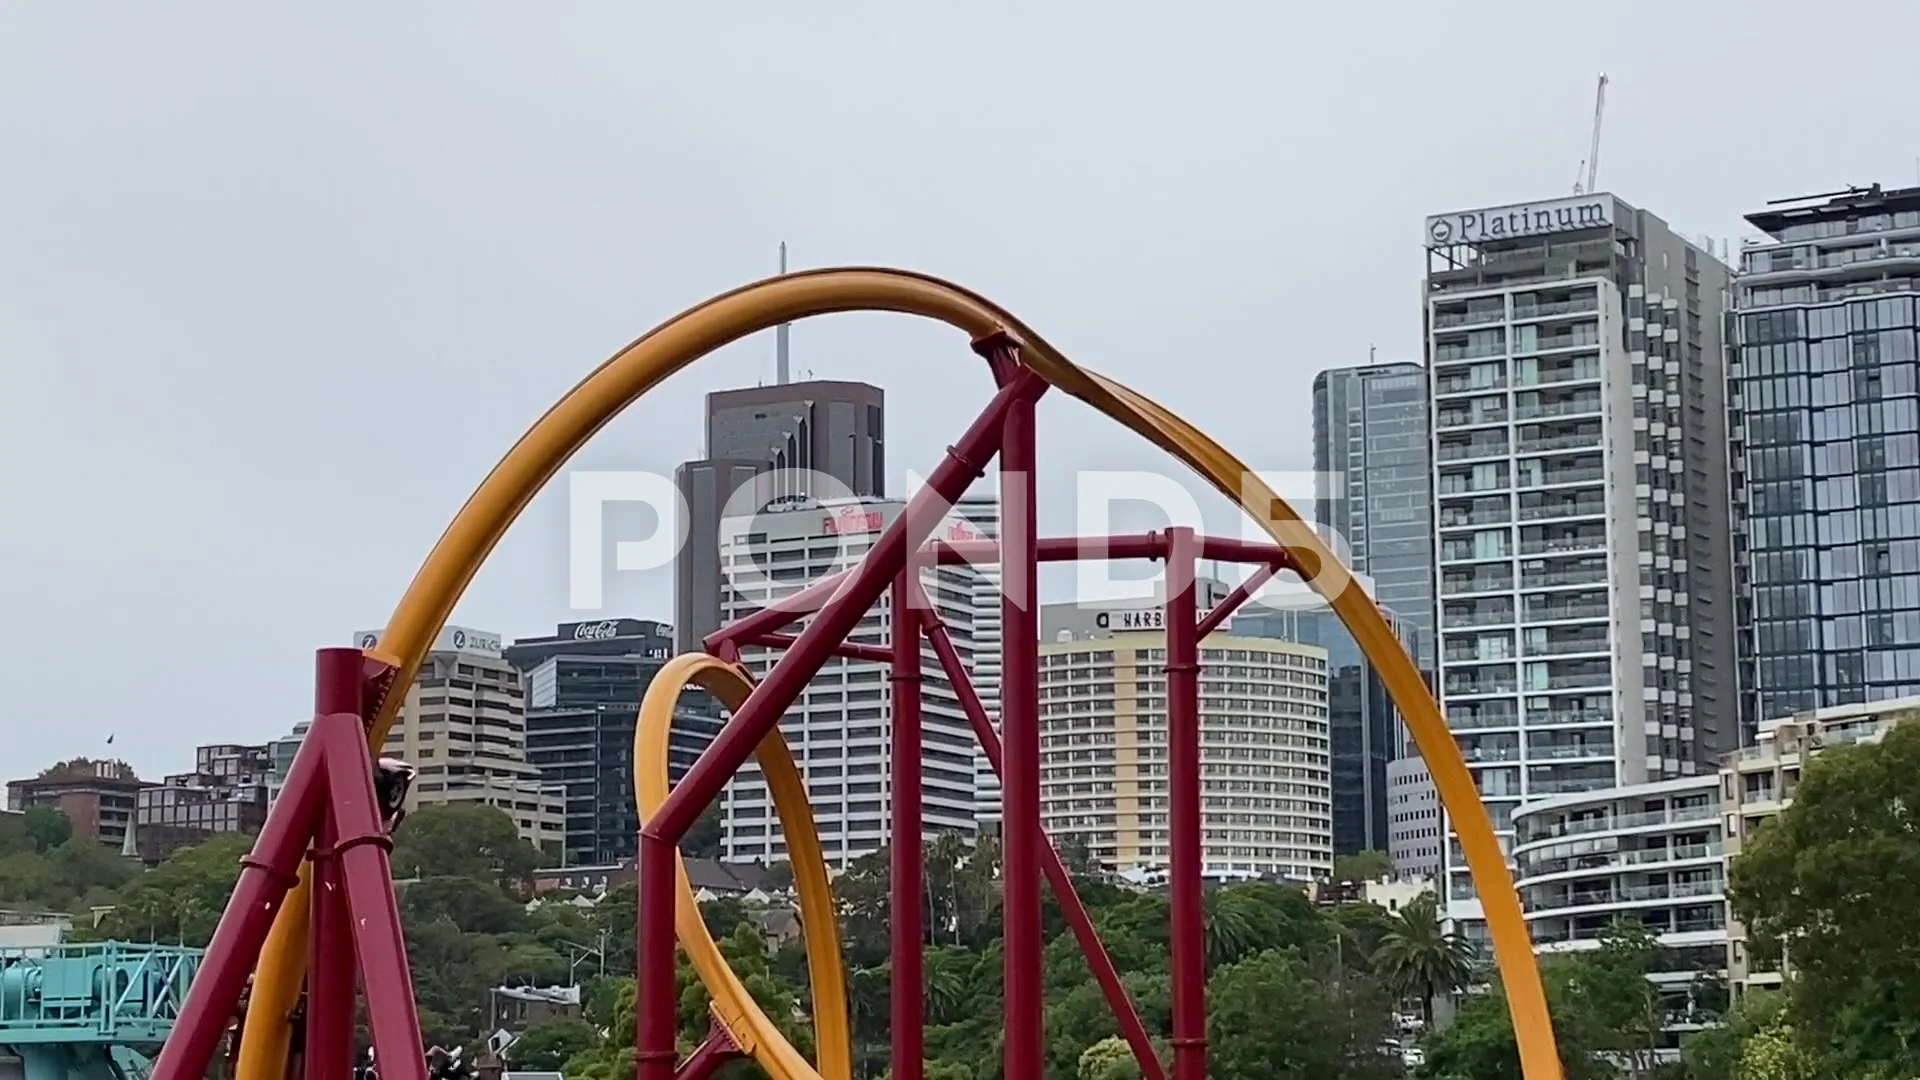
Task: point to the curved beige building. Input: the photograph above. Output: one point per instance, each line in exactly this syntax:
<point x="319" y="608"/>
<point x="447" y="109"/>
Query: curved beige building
<point x="1265" y="772"/>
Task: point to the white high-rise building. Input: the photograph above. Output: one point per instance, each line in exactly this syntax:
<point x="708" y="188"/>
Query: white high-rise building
<point x="840" y="729"/>
<point x="1581" y="502"/>
<point x="982" y="511"/>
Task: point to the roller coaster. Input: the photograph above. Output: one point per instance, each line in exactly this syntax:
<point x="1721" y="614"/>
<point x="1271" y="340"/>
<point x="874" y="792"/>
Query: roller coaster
<point x="313" y="913"/>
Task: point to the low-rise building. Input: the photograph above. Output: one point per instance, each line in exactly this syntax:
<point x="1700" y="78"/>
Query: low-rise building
<point x="97" y="796"/>
<point x="227" y="792"/>
<point x="1757" y="783"/>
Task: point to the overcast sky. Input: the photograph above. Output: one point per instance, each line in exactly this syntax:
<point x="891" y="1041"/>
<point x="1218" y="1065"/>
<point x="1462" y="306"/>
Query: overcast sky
<point x="279" y="284"/>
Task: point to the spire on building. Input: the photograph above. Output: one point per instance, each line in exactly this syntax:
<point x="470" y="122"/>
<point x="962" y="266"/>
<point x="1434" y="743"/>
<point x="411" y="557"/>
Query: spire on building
<point x="783" y="370"/>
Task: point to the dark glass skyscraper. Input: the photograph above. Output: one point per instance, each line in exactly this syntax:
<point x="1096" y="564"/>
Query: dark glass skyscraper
<point x="1373" y="485"/>
<point x="776" y="437"/>
<point x="1826" y="392"/>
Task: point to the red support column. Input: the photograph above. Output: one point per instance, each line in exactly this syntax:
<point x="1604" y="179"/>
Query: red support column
<point x="361" y="853"/>
<point x="1020" y="725"/>
<point x="655" y="994"/>
<point x="907" y="868"/>
<point x="330" y="968"/>
<point x="1183" y="811"/>
<point x="268" y="871"/>
<point x="1095" y="951"/>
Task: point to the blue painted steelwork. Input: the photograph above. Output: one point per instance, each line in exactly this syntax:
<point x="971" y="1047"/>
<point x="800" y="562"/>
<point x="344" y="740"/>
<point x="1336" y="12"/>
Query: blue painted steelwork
<point x="89" y="1011"/>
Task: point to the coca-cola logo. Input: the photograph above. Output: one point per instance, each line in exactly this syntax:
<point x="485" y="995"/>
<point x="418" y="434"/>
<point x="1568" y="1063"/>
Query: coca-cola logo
<point x="596" y="631"/>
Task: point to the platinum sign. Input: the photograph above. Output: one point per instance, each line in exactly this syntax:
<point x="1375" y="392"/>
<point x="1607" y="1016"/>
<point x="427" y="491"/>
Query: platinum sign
<point x="1520" y="220"/>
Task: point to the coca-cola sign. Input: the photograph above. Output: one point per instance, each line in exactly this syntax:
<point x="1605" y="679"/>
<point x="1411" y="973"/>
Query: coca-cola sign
<point x="596" y="631"/>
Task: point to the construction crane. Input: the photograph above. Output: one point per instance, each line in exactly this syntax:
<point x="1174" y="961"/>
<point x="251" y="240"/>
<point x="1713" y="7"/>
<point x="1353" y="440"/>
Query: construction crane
<point x="1591" y="166"/>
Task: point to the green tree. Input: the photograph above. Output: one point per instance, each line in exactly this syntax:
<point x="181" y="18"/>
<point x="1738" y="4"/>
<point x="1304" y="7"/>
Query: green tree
<point x="1714" y="1053"/>
<point x="474" y="906"/>
<point x="1419" y="958"/>
<point x="464" y="840"/>
<point x="1271" y="1017"/>
<point x="1369" y="865"/>
<point x="703" y="836"/>
<point x="550" y="1044"/>
<point x="180" y="900"/>
<point x="1819" y="880"/>
<point x="1606" y="993"/>
<point x="1109" y="1059"/>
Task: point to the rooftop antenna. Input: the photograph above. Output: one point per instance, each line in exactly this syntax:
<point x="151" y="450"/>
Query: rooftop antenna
<point x="1592" y="164"/>
<point x="783" y="371"/>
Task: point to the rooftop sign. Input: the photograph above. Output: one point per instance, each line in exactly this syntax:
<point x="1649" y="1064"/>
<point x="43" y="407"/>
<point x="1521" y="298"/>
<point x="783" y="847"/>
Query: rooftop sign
<point x="1520" y="220"/>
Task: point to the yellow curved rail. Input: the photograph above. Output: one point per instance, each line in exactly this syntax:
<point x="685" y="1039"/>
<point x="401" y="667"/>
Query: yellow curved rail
<point x="680" y="341"/>
<point x="749" y="1027"/>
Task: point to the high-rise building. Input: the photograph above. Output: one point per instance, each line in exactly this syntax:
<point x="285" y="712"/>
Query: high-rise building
<point x="463" y="726"/>
<point x="840" y="729"/>
<point x="1363" y="725"/>
<point x="1373" y="486"/>
<point x="1825" y="393"/>
<point x="1264" y="745"/>
<point x="767" y="444"/>
<point x="1580" y="458"/>
<point x="584" y="684"/>
<point x="982" y="512"/>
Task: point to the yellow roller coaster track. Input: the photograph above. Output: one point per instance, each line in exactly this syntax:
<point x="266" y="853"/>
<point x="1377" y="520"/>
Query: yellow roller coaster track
<point x="681" y="340"/>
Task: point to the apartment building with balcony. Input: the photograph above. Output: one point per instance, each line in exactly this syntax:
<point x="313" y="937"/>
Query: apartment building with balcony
<point x="1651" y="853"/>
<point x="1757" y="782"/>
<point x="1825" y="400"/>
<point x="1580" y="500"/>
<point x="1265" y="755"/>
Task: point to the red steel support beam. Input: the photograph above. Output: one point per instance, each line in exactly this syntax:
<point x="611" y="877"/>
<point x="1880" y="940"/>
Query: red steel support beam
<point x="714" y="1053"/>
<point x="847" y="650"/>
<point x="907" y="869"/>
<point x="965" y="461"/>
<point x="1104" y="972"/>
<point x="1020" y="724"/>
<point x="330" y="969"/>
<point x="1054" y="549"/>
<point x="1183" y="812"/>
<point x="361" y="853"/>
<point x="1234" y="600"/>
<point x="268" y="871"/>
<point x="1227" y="549"/>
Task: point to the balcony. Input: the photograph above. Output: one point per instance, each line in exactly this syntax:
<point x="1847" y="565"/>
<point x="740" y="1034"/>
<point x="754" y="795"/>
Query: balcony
<point x="1568" y="717"/>
<point x="1536" y="473"/>
<point x="1545" y="643"/>
<point x="1525" y="307"/>
<point x="1545" y="508"/>
<point x="1540" y="407"/>
<point x="1585" y="609"/>
<point x="1498" y="613"/>
<point x="1611" y="822"/>
<point x="1478" y="415"/>
<point x="1562" y="541"/>
<point x="1488" y="683"/>
<point x="1473" y="752"/>
<point x="1587" y="438"/>
<point x="1487" y="649"/>
<point x="1469" y="384"/>
<point x="1475" y="312"/>
<point x="1481" y="716"/>
<point x="1472" y="480"/>
<point x="1555" y="371"/>
<point x="1582" y="751"/>
<point x="1561" y="572"/>
<point x="1478" y="448"/>
<point x="1487" y="547"/>
<point x="1454" y="585"/>
<point x="1495" y="512"/>
<point x="1474" y="345"/>
<point x="1578" y="336"/>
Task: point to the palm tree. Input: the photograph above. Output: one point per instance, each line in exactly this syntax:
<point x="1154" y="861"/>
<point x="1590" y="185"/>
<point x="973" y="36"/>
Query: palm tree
<point x="1233" y="932"/>
<point x="1419" y="957"/>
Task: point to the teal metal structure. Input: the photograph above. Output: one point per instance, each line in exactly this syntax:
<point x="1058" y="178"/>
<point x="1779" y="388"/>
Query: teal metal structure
<point x="92" y="1011"/>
